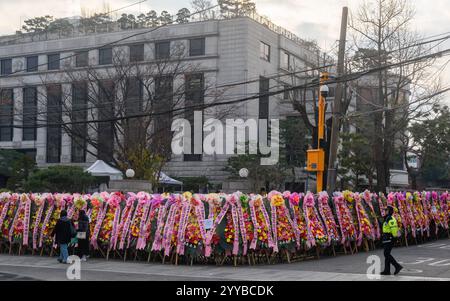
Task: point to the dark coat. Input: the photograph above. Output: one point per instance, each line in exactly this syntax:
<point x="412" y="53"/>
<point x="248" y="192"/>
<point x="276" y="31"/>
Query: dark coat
<point x="83" y="225"/>
<point x="64" y="231"/>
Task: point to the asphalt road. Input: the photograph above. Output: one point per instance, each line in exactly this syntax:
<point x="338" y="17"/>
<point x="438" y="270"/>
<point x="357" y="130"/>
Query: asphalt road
<point x="429" y="261"/>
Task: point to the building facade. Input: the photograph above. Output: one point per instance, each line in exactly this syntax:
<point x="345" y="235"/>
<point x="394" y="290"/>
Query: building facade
<point x="225" y="53"/>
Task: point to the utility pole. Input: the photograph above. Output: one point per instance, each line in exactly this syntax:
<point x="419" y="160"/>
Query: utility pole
<point x="336" y="122"/>
<point x="316" y="157"/>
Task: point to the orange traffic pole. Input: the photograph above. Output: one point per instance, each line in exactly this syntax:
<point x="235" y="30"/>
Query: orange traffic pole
<point x="321" y="130"/>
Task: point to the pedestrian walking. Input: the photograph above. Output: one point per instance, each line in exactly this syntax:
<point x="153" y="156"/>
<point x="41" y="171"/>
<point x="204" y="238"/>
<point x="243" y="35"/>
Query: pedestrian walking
<point x="83" y="234"/>
<point x="63" y="232"/>
<point x="390" y="233"/>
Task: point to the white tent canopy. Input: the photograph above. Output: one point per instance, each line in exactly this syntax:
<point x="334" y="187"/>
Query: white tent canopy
<point x="101" y="169"/>
<point x="165" y="179"/>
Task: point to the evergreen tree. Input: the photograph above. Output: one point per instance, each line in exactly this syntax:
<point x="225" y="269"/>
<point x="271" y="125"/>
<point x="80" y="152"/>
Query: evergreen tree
<point x="183" y="16"/>
<point x="165" y="18"/>
<point x="38" y="24"/>
<point x="152" y="19"/>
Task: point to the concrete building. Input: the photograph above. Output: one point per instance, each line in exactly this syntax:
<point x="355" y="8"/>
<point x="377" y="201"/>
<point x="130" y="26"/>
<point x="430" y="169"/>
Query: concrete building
<point x="247" y="49"/>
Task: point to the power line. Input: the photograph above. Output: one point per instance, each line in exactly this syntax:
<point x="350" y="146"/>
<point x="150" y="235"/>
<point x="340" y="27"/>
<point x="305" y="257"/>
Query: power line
<point x="275" y="76"/>
<point x="346" y="78"/>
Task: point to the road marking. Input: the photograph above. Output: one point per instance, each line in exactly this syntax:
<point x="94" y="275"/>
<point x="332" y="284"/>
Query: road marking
<point x="440" y="263"/>
<point x="237" y="276"/>
<point x="433" y="245"/>
<point x="419" y="260"/>
<point x="412" y="271"/>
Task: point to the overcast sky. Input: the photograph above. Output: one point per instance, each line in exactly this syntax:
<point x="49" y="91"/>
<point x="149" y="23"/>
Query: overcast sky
<point x="308" y="19"/>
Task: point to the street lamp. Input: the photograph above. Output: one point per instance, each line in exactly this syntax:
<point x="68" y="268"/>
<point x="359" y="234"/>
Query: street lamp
<point x="243" y="172"/>
<point x="130" y="173"/>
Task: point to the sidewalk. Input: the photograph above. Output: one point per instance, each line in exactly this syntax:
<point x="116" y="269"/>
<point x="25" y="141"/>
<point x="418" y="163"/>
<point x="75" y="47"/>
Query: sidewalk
<point x="44" y="268"/>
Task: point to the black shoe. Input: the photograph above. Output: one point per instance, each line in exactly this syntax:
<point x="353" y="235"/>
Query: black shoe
<point x="385" y="273"/>
<point x="59" y="260"/>
<point x="397" y="270"/>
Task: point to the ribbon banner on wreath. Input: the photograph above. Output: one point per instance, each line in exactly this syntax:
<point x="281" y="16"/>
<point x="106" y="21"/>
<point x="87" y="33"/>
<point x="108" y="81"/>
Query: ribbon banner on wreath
<point x="419" y="214"/>
<point x="125" y="221"/>
<point x="298" y="218"/>
<point x="139" y="219"/>
<point x="172" y="224"/>
<point x="161" y="217"/>
<point x="19" y="229"/>
<point x="391" y="201"/>
<point x="8" y="214"/>
<point x="96" y="213"/>
<point x="436" y="212"/>
<point x="445" y="203"/>
<point x="345" y="219"/>
<point x="245" y="221"/>
<point x="366" y="230"/>
<point x="39" y="203"/>
<point x="285" y="234"/>
<point x="406" y="216"/>
<point x="215" y="202"/>
<point x="229" y="237"/>
<point x="369" y="198"/>
<point x="49" y="222"/>
<point x="262" y="235"/>
<point x="316" y="231"/>
<point x="327" y="216"/>
<point x="5" y="201"/>
<point x="192" y="232"/>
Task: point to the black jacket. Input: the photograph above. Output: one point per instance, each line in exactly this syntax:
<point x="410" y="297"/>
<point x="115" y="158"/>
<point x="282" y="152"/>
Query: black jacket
<point x="83" y="225"/>
<point x="64" y="231"/>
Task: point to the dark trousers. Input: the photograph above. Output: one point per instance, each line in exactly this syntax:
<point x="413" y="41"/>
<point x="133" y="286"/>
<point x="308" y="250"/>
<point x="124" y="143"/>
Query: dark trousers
<point x="388" y="258"/>
<point x="83" y="247"/>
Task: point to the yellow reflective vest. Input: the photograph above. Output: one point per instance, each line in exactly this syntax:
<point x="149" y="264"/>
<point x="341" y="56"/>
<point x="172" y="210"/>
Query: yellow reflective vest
<point x="391" y="227"/>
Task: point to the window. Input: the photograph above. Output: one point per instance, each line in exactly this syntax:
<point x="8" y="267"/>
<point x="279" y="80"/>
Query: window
<point x="133" y="101"/>
<point x="29" y="113"/>
<point x="137" y="53"/>
<point x="79" y="114"/>
<point x="106" y="128"/>
<point x="6" y="66"/>
<point x="163" y="119"/>
<point x="32" y="64"/>
<point x="105" y="56"/>
<point x="286" y="93"/>
<point x="264" y="51"/>
<point x="194" y="90"/>
<point x="285" y="60"/>
<point x="197" y="47"/>
<point x="134" y="131"/>
<point x="6" y="114"/>
<point x="54" y="116"/>
<point x="162" y="50"/>
<point x="53" y="61"/>
<point x="82" y="59"/>
<point x="263" y="98"/>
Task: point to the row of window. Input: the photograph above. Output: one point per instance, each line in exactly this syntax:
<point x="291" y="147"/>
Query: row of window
<point x="194" y="86"/>
<point x="105" y="56"/>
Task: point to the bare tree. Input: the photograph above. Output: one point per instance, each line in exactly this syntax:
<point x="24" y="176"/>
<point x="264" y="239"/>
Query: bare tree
<point x="202" y="6"/>
<point x="122" y="112"/>
<point x="382" y="35"/>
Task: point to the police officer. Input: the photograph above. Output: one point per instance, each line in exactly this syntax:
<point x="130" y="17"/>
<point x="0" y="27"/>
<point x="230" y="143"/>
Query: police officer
<point x="390" y="232"/>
